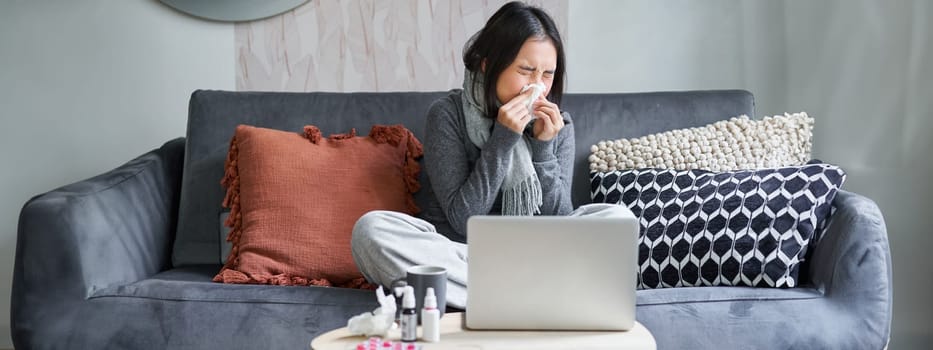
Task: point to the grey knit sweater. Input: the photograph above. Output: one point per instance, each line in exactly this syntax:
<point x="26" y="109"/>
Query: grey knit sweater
<point x="466" y="181"/>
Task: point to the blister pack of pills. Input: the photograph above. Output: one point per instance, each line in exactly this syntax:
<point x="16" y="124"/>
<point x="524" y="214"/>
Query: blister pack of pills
<point x="377" y="343"/>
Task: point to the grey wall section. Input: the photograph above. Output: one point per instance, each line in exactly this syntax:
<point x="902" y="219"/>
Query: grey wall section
<point x="86" y="86"/>
<point x="863" y="69"/>
<point x="636" y="46"/>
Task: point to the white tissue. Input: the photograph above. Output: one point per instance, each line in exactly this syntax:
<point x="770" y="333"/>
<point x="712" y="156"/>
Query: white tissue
<point x="375" y="323"/>
<point x="535" y="94"/>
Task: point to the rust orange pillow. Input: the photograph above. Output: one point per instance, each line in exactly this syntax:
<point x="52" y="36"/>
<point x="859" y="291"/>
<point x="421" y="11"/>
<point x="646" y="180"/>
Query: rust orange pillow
<point x="294" y="198"/>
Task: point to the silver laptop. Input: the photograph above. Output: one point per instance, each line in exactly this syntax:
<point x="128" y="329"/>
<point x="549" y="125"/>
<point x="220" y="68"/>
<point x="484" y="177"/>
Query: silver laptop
<point x="551" y="272"/>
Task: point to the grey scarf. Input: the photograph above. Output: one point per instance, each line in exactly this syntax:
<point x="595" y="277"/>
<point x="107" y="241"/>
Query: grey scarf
<point x="521" y="190"/>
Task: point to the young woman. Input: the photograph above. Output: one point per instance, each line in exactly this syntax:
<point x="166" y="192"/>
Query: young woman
<point x="486" y="151"/>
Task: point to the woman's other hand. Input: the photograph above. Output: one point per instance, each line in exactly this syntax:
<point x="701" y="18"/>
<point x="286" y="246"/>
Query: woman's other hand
<point x="514" y="114"/>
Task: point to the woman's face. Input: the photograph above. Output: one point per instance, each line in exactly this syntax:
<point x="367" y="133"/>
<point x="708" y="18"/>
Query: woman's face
<point x="535" y="63"/>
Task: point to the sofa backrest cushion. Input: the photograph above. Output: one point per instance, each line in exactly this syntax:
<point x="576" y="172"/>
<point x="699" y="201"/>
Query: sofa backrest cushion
<point x="214" y="115"/>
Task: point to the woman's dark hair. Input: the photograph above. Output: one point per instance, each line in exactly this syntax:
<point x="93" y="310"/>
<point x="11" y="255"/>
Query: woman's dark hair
<point x="500" y="40"/>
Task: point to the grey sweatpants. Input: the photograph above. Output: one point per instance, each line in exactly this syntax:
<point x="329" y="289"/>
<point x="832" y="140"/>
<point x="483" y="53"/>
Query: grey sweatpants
<point x="386" y="243"/>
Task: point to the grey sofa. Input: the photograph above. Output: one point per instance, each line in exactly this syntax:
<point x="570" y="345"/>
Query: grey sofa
<point x="125" y="259"/>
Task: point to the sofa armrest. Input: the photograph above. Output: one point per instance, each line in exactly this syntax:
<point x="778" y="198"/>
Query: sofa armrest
<point x="114" y="228"/>
<point x="851" y="264"/>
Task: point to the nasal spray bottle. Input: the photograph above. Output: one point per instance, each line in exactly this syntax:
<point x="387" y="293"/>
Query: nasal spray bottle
<point x="409" y="318"/>
<point x="430" y="318"/>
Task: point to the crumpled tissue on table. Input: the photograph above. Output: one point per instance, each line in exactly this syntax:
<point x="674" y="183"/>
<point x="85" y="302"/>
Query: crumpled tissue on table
<point x="377" y="322"/>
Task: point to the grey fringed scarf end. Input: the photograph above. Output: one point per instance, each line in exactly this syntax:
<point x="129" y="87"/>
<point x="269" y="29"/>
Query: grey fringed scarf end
<point x="523" y="199"/>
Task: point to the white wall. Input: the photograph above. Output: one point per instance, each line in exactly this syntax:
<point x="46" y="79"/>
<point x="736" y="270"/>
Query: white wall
<point x="88" y="85"/>
<point x="863" y="69"/>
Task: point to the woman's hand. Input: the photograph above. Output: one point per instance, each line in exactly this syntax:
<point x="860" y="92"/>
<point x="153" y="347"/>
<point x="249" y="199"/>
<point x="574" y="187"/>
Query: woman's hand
<point x="549" y="120"/>
<point x="514" y="114"/>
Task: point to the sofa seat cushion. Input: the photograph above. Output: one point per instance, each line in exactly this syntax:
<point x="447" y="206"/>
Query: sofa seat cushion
<point x="687" y="295"/>
<point x="183" y="309"/>
<point x="193" y="283"/>
<point x="797" y="318"/>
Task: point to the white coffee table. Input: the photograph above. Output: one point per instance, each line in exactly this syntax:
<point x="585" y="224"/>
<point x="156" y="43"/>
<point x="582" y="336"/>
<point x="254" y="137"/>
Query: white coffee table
<point x="454" y="336"/>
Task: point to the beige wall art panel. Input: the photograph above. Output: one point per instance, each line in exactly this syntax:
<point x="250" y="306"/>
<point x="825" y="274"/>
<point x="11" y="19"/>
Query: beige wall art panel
<point x="367" y="45"/>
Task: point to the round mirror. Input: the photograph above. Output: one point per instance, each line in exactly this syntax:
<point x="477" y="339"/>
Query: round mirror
<point x="233" y="10"/>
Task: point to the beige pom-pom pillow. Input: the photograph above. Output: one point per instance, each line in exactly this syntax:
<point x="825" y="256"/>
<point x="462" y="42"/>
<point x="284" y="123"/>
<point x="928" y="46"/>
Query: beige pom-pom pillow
<point x="734" y="144"/>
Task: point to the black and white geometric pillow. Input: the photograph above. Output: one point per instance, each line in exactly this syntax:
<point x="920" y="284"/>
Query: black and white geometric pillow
<point x="700" y="228"/>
